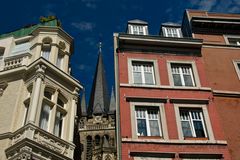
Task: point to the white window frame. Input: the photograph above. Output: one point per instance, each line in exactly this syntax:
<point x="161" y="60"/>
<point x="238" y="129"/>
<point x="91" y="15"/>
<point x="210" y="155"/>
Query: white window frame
<point x="156" y="75"/>
<point x="194" y="76"/>
<point x="227" y="37"/>
<point x="147" y="119"/>
<point x="137" y="28"/>
<point x="237" y="69"/>
<point x="209" y="132"/>
<point x="172" y="29"/>
<point x="161" y="114"/>
<point x="191" y="119"/>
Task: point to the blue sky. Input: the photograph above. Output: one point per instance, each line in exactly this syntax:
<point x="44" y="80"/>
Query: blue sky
<point x="91" y="21"/>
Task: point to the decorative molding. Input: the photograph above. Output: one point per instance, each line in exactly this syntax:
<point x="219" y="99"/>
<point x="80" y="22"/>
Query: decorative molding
<point x="221" y="93"/>
<point x="40" y="71"/>
<point x="62" y="45"/>
<point x="3" y="86"/>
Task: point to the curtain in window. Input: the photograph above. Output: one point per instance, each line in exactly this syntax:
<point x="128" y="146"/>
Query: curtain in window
<point x="46" y="53"/>
<point x="58" y="124"/>
<point x="44" y="118"/>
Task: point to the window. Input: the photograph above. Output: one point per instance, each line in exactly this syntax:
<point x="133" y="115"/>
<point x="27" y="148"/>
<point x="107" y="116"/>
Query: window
<point x="182" y="75"/>
<point x="45" y="53"/>
<point x="192" y="123"/>
<point x="138" y="29"/>
<point x="53" y="105"/>
<point x="147" y="119"/>
<point x="44" y="118"/>
<point x="237" y="67"/>
<point x="143" y="73"/>
<point x="172" y="32"/>
<point x="234" y="41"/>
<point x="58" y="124"/>
<point x="59" y="61"/>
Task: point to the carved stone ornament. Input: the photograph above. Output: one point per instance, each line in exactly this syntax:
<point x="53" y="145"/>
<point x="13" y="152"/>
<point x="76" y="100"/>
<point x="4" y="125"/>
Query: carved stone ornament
<point x="40" y="71"/>
<point x="3" y="86"/>
<point x="62" y="45"/>
<point x="47" y="40"/>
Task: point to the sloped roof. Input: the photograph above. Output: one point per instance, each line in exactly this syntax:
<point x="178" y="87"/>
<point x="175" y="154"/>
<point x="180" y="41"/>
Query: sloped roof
<point x="83" y="105"/>
<point x="137" y="21"/>
<point x="99" y="98"/>
<point x="29" y="29"/>
<point x="171" y="24"/>
<point x="112" y="106"/>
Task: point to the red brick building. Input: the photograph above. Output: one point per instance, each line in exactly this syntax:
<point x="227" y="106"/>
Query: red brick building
<point x="165" y="105"/>
<point x="221" y="54"/>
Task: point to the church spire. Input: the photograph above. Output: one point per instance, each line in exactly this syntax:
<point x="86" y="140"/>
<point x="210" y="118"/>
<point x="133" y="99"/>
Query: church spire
<point x="99" y="98"/>
<point x="83" y="105"/>
<point x="112" y="106"/>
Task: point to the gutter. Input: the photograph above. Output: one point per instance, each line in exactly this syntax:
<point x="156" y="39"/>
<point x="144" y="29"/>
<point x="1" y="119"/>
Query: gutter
<point x="116" y="69"/>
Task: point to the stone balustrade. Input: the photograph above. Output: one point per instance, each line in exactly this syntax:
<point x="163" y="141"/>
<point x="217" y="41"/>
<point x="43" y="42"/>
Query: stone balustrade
<point x="43" y="139"/>
<point x="15" y="61"/>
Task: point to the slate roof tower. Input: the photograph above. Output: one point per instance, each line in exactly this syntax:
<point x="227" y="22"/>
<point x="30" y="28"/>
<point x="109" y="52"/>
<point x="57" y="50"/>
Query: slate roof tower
<point x="97" y="127"/>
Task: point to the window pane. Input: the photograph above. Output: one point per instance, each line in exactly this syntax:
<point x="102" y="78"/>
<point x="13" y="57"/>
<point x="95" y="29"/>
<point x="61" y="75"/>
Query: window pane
<point x="48" y="95"/>
<point x="46" y="52"/>
<point x="148" y="78"/>
<point x="186" y="129"/>
<point x="137" y="77"/>
<point x="60" y="102"/>
<point x="198" y="126"/>
<point x="58" y="124"/>
<point x="177" y="80"/>
<point x="44" y="118"/>
<point x="154" y="128"/>
<point x="188" y="80"/>
<point x="142" y="128"/>
<point x="59" y="61"/>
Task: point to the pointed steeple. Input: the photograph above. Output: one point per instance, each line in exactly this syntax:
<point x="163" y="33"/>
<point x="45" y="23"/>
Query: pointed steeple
<point x="83" y="105"/>
<point x="112" y="106"/>
<point x="99" y="98"/>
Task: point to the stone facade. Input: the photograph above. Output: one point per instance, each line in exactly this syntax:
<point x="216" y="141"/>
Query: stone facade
<point x="38" y="95"/>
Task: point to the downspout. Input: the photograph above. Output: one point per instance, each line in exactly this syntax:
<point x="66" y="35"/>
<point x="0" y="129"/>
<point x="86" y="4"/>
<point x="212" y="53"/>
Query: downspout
<point x="116" y="69"/>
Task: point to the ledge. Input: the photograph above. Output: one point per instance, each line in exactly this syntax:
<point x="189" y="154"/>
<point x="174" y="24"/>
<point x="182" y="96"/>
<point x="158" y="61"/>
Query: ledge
<point x="221" y="93"/>
<point x="165" y="87"/>
<point x="175" y="142"/>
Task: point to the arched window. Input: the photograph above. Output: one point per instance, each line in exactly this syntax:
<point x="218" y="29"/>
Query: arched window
<point x="46" y="47"/>
<point x="97" y="140"/>
<point x="89" y="148"/>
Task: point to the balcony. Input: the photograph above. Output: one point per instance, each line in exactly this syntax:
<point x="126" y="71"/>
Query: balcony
<point x="38" y="143"/>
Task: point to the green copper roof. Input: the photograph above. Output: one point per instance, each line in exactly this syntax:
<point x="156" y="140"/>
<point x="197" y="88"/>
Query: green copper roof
<point x="28" y="30"/>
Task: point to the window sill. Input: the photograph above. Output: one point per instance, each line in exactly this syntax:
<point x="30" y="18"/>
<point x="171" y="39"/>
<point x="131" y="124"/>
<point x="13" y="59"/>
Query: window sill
<point x="195" y="138"/>
<point x="150" y="137"/>
<point x="164" y="87"/>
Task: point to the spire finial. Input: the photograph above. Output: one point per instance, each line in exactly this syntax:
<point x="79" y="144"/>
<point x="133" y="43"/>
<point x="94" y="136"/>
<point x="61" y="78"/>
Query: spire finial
<point x="100" y="47"/>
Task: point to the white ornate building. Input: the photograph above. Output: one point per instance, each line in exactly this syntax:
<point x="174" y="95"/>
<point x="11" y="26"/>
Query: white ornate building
<point x="38" y="95"/>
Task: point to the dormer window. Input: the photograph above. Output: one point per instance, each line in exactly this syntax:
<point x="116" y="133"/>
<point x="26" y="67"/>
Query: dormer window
<point x="137" y="27"/>
<point x="234" y="41"/>
<point x="138" y="30"/>
<point x="172" y="32"/>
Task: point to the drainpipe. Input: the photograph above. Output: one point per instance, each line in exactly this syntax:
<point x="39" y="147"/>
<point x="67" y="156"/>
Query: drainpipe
<point x="116" y="69"/>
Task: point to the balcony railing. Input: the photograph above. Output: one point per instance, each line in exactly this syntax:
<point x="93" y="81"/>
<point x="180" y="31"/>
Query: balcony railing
<point x="96" y="127"/>
<point x="15" y="61"/>
<point x="42" y="138"/>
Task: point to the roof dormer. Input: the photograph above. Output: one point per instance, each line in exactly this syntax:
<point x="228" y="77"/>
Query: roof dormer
<point x="137" y="27"/>
<point x="171" y="30"/>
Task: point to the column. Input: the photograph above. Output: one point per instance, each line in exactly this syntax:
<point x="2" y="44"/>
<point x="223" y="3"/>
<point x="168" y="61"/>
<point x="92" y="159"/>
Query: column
<point x="73" y="114"/>
<point x="36" y="92"/>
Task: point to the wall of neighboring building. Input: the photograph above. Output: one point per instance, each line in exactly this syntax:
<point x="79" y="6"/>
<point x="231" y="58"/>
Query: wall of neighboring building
<point x="222" y="75"/>
<point x="164" y="90"/>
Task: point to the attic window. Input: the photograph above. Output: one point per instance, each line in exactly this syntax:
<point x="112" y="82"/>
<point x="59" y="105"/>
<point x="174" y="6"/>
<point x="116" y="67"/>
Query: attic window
<point x="137" y="29"/>
<point x="172" y="32"/>
<point x="234" y="41"/>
